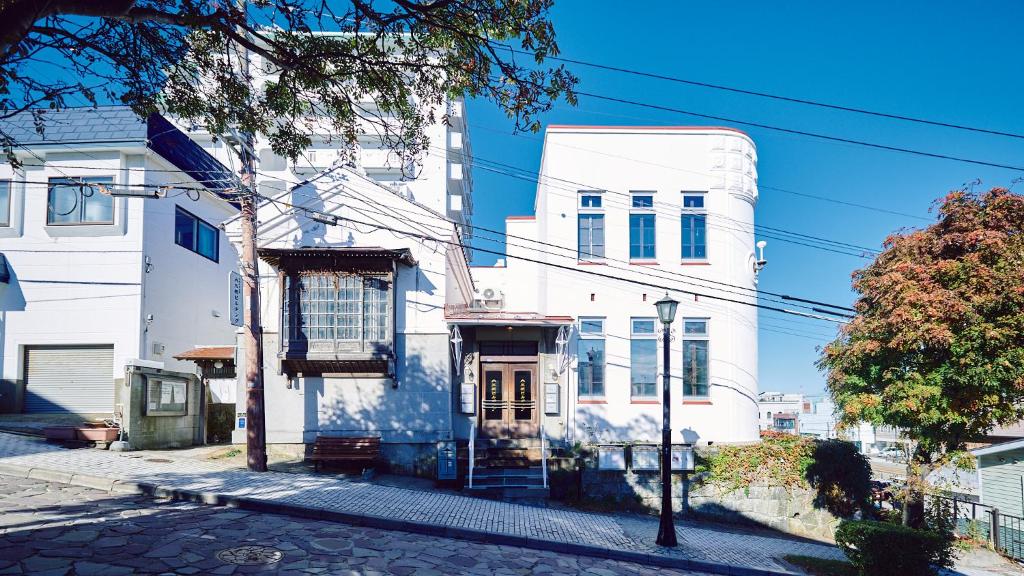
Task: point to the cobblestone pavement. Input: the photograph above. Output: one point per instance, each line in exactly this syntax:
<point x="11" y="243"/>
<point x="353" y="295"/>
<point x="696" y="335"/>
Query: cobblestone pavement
<point x="52" y="529"/>
<point x="697" y="541"/>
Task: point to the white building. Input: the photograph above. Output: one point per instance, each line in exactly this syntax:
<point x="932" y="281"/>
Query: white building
<point x="610" y="233"/>
<point x="355" y="337"/>
<point x="822" y="422"/>
<point x="94" y="282"/>
<point x="770" y="404"/>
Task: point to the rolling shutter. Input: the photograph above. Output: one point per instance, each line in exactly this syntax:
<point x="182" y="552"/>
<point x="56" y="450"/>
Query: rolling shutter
<point x="62" y="379"/>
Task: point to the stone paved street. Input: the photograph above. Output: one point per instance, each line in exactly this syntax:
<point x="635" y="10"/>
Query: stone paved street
<point x="700" y="542"/>
<point x="51" y="529"/>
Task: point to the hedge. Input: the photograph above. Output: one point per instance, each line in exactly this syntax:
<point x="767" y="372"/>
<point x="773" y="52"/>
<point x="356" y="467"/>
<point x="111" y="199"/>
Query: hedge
<point x="884" y="549"/>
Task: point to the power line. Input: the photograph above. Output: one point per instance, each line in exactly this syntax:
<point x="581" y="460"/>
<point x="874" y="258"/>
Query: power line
<point x="573" y="269"/>
<point x="796" y="132"/>
<point x="780" y="97"/>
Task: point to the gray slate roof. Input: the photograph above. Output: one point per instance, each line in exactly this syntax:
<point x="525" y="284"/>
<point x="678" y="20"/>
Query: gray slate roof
<point x="76" y="125"/>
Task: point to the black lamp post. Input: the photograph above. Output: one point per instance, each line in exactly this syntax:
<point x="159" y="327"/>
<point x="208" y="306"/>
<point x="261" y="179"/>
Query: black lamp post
<point x="667" y="529"/>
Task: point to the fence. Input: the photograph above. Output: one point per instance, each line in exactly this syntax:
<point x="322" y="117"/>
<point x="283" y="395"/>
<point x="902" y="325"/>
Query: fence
<point x="978" y="521"/>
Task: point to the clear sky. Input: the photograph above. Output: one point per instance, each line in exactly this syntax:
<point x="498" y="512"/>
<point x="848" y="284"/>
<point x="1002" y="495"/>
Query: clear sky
<point x="958" y="62"/>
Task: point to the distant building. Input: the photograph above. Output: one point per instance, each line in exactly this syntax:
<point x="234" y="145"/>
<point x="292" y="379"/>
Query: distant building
<point x="769" y="404"/>
<point x="786" y="422"/>
<point x="1001" y="476"/>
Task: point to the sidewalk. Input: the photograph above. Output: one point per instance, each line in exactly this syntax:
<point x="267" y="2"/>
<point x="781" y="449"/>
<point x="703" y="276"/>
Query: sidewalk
<point x="701" y="547"/>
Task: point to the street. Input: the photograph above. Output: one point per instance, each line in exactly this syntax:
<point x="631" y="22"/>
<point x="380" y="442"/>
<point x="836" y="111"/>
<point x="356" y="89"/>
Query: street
<point x="49" y="529"/>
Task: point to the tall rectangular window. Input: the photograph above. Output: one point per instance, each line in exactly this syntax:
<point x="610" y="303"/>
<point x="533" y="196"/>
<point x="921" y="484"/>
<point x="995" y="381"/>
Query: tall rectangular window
<point x="643" y="359"/>
<point x="590" y="356"/>
<point x="5" y="203"/>
<point x="641" y="226"/>
<point x="194" y="234"/>
<point x="693" y="227"/>
<point x="641" y="237"/>
<point x="695" y="357"/>
<point x="73" y="202"/>
<point x="591" y="236"/>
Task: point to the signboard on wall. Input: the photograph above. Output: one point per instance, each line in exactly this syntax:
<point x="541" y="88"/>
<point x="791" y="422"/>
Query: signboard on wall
<point x="235" y="300"/>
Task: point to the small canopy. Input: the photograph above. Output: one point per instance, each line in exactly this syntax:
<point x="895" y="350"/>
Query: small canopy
<point x="335" y="255"/>
<point x="465" y="317"/>
<point x="208" y="353"/>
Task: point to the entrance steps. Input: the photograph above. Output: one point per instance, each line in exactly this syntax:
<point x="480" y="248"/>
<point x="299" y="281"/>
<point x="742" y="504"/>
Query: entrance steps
<point x="521" y="485"/>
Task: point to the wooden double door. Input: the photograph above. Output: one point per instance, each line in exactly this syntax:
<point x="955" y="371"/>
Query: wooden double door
<point x="508" y="400"/>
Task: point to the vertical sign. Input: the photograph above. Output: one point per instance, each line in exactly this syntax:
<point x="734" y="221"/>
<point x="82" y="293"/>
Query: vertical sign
<point x="235" y="290"/>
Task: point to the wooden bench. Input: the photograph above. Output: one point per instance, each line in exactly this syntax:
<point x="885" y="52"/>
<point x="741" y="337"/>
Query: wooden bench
<point x="346" y="450"/>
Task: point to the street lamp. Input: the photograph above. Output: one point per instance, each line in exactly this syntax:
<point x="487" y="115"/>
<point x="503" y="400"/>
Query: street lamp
<point x="667" y="529"/>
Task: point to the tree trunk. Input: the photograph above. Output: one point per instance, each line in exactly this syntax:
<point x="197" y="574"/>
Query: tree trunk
<point x="913" y="506"/>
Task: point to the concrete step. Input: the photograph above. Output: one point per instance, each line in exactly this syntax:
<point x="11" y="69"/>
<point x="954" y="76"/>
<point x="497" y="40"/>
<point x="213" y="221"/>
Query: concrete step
<point x="534" y="495"/>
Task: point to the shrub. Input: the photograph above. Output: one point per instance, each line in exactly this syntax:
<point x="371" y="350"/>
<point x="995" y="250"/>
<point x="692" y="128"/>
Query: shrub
<point x="884" y="549"/>
<point x="842" y="477"/>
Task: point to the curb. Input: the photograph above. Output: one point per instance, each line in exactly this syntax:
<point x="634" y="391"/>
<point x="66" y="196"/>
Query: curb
<point x="124" y="487"/>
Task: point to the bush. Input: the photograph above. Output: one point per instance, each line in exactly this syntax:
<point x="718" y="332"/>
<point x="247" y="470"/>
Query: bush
<point x="778" y="460"/>
<point x="842" y="477"/>
<point x="883" y="549"/>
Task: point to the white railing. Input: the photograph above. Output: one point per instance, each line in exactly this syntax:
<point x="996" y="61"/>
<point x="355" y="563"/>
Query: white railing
<point x="472" y="450"/>
<point x="543" y="452"/>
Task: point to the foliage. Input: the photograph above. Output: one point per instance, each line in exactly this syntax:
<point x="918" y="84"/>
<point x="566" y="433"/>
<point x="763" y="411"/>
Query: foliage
<point x="778" y="460"/>
<point x="937" y="345"/>
<point x="884" y="549"/>
<point x="821" y="566"/>
<point x="184" y="56"/>
<point x="842" y="476"/>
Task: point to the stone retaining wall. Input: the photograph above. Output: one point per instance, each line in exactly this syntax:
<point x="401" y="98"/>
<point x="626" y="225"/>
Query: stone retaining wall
<point x="788" y="510"/>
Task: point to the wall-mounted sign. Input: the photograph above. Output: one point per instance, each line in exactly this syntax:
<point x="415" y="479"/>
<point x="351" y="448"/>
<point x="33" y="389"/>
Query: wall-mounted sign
<point x="682" y="458"/>
<point x="235" y="294"/>
<point x="241" y="421"/>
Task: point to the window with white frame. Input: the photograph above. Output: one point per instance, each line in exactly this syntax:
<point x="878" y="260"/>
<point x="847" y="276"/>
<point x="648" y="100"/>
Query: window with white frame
<point x="591" y="358"/>
<point x="590" y="227"/>
<point x="79" y="201"/>
<point x="695" y="357"/>
<point x="643" y="359"/>
<point x="693" y="224"/>
<point x="641" y="226"/>
<point x="337" y="307"/>
<point x="5" y="203"/>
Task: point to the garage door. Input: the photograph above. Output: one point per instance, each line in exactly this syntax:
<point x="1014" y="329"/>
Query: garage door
<point x="69" y="379"/>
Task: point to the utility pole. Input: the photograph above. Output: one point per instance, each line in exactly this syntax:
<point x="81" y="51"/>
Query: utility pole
<point x="255" y="417"/>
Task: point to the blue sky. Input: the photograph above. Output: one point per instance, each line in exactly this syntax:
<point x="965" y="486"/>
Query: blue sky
<point x="947" y="61"/>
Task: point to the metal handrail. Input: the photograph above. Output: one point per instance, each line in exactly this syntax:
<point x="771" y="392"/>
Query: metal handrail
<point x="472" y="450"/>
<point x="543" y="452"/>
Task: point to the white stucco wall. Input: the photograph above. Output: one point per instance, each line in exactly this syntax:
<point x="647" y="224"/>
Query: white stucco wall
<point x="77" y="285"/>
<point x="720" y="162"/>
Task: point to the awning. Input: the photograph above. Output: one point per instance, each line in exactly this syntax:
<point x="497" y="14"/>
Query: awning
<point x="486" y="318"/>
<point x="335" y="255"/>
<point x="208" y="353"/>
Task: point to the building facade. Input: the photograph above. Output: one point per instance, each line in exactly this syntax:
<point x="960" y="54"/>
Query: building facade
<point x="564" y="333"/>
<point x="770" y="404"/>
<point x="96" y="282"/>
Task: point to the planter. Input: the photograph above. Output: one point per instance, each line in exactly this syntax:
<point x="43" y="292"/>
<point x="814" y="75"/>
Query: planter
<point x="60" y="433"/>
<point x="97" y="434"/>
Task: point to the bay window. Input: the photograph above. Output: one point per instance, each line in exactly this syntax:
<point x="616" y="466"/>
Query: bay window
<point x="337" y="313"/>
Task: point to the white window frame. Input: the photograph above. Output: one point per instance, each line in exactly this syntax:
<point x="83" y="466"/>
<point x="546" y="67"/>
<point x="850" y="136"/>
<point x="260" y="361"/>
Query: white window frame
<point x="691" y="211"/>
<point x="582" y="193"/>
<point x="604" y="366"/>
<point x="582" y="210"/>
<point x="646" y="211"/>
<point x="646" y="336"/>
<point x="94" y="182"/>
<point x="6" y="223"/>
<point x="703" y="337"/>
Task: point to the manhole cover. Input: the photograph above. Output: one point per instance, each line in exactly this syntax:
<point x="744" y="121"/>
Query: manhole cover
<point x="250" y="555"/>
<point x="160" y="460"/>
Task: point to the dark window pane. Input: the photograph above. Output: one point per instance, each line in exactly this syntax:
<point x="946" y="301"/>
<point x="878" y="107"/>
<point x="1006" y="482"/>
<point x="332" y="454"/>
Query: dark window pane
<point x="643" y="367"/>
<point x="206" y="243"/>
<point x="508" y="348"/>
<point x="695" y="367"/>
<point x="693" y="201"/>
<point x="643" y="201"/>
<point x="591" y="367"/>
<point x="694" y="241"/>
<point x="591" y="201"/>
<point x="641" y="236"/>
<point x="184" y="230"/>
<point x="492" y="401"/>
<point x="591" y="236"/>
<point x="593" y="326"/>
<point x="524" y="394"/>
<point x="5" y="202"/>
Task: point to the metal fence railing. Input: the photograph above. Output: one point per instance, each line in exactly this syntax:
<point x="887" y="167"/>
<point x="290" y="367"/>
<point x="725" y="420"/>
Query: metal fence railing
<point x="1004" y="532"/>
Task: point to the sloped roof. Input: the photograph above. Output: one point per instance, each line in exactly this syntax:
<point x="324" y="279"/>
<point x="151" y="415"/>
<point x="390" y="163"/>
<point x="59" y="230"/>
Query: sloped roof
<point x="119" y="125"/>
<point x="208" y="353"/>
<point x="274" y="255"/>
<point x="997" y="448"/>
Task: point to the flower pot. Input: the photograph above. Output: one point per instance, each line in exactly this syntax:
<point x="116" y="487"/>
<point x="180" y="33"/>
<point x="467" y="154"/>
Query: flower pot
<point x="60" y="433"/>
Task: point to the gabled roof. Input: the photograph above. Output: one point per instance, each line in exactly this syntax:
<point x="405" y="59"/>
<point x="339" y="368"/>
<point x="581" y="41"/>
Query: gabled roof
<point x="999" y="448"/>
<point x="109" y="125"/>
